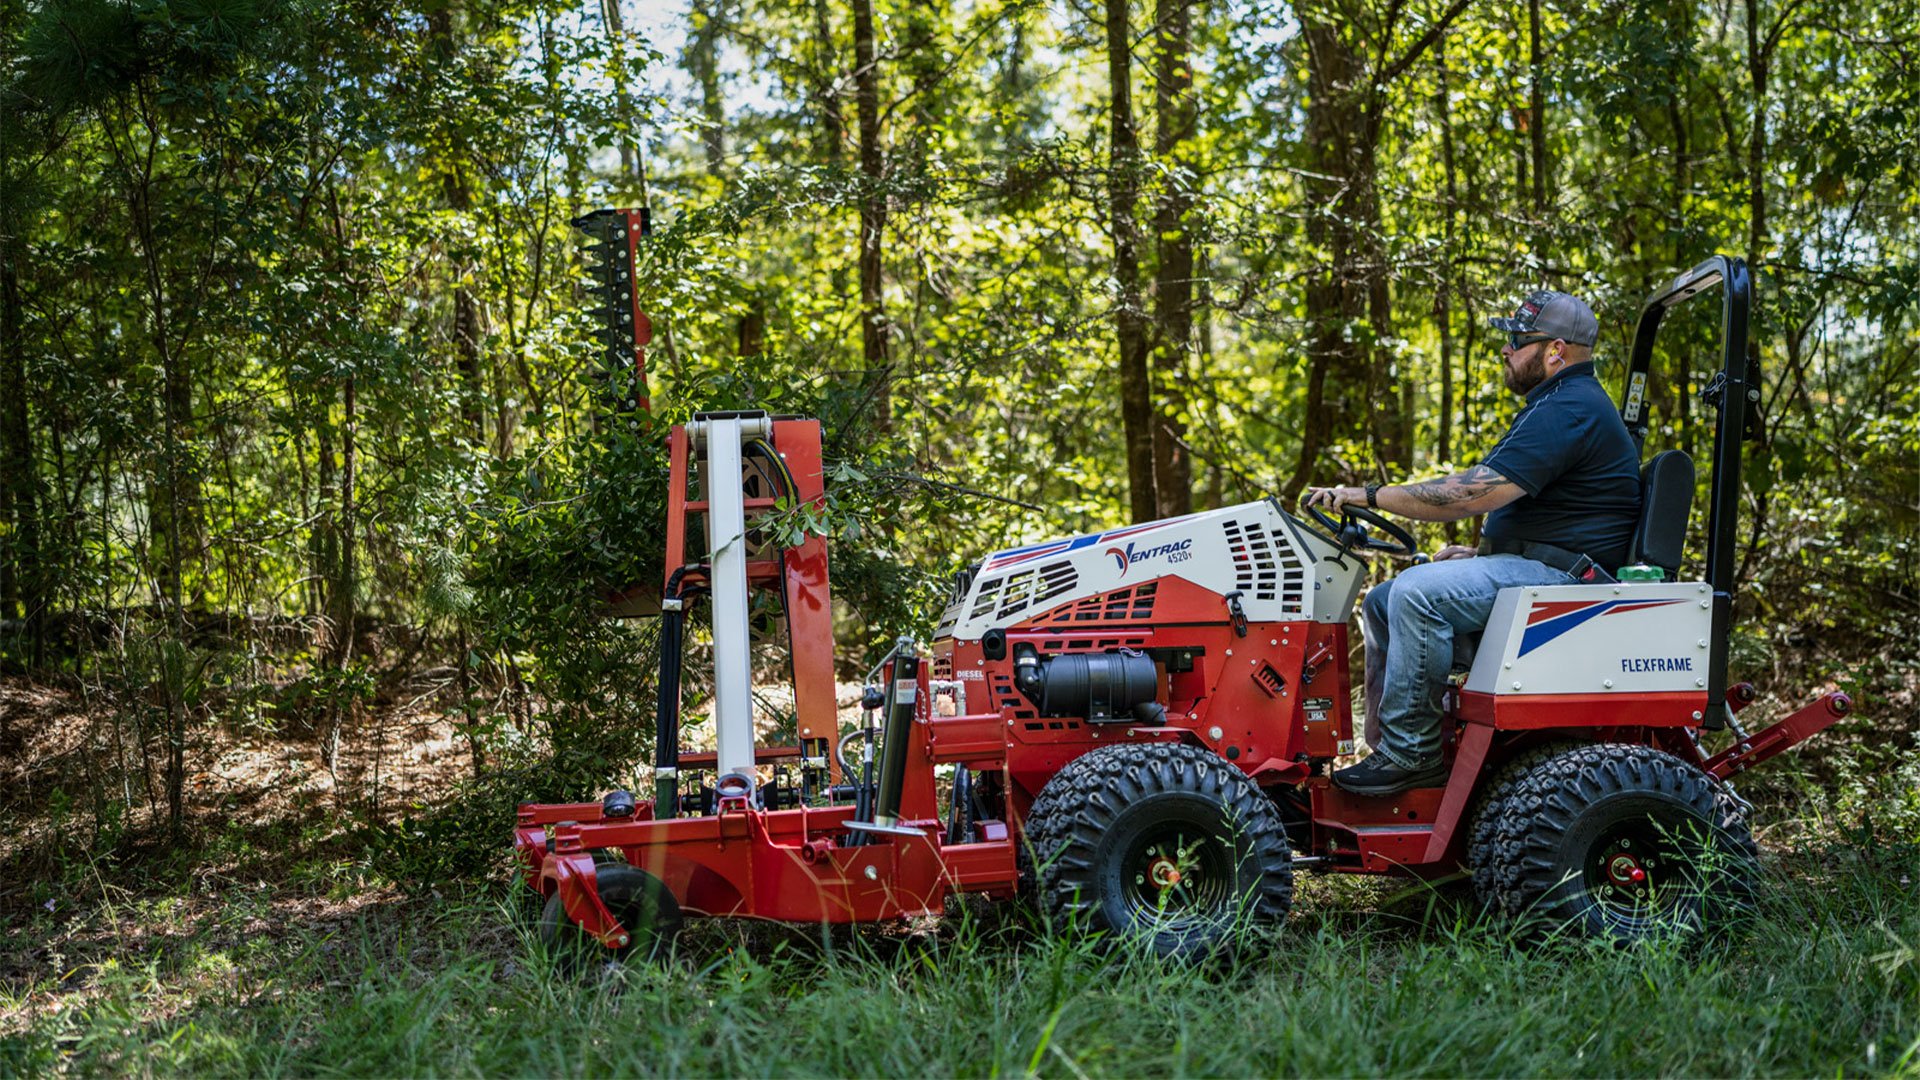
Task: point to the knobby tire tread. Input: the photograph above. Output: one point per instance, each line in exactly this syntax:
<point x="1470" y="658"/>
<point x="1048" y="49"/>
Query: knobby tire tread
<point x="1491" y="872"/>
<point x="1078" y="805"/>
<point x="1518" y="843"/>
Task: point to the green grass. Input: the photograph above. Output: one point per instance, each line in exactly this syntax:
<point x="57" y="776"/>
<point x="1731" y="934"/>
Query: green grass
<point x="1360" y="981"/>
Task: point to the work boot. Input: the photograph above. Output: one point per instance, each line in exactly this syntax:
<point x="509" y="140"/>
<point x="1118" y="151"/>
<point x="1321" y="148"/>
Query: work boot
<point x="1377" y="776"/>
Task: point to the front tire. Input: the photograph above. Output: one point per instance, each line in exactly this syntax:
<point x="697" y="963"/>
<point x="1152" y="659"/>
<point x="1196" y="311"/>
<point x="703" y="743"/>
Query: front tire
<point x="1615" y="842"/>
<point x="1162" y="842"/>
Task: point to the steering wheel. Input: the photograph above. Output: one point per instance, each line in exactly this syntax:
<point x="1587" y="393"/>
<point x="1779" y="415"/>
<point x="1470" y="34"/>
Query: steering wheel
<point x="1350" y="531"/>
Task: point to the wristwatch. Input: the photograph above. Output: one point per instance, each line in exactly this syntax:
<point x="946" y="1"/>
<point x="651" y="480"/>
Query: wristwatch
<point x="1373" y="496"/>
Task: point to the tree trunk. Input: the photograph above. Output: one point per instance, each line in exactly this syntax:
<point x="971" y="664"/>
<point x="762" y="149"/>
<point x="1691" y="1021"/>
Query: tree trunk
<point x="466" y="335"/>
<point x="752" y="331"/>
<point x="175" y="500"/>
<point x="1177" y="123"/>
<point x="341" y="596"/>
<point x="23" y="589"/>
<point x="1537" y="125"/>
<point x="1343" y="211"/>
<point x="1443" y="296"/>
<point x="1759" y="61"/>
<point x="873" y="216"/>
<point x="324" y="544"/>
<point x="1129" y="318"/>
<point x="826" y="93"/>
<point x="1682" y="378"/>
<point x="474" y="754"/>
<point x="702" y="61"/>
<point x="1522" y="122"/>
<point x="174" y="516"/>
<point x="622" y="97"/>
<point x="1013" y="66"/>
<point x="1346" y="98"/>
<point x="1757" y="65"/>
<point x="1203" y="341"/>
<point x="341" y="604"/>
<point x="1386" y="383"/>
<point x="458" y="195"/>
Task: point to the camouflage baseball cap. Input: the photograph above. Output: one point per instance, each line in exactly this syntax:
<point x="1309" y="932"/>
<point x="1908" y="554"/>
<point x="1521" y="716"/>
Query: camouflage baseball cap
<point x="1554" y="314"/>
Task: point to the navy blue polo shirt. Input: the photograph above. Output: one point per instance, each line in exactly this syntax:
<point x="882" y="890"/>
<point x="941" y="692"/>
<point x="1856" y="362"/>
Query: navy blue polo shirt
<point x="1570" y="452"/>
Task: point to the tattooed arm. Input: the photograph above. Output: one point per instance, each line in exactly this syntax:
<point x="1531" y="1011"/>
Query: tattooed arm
<point x="1477" y="490"/>
<point x="1464" y="494"/>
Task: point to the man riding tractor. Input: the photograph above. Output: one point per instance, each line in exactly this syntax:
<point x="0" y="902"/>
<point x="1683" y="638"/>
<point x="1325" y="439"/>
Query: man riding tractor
<point x="1561" y="491"/>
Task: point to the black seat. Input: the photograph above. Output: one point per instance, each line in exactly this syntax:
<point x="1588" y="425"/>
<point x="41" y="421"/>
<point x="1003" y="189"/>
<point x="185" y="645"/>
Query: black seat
<point x="1666" y="502"/>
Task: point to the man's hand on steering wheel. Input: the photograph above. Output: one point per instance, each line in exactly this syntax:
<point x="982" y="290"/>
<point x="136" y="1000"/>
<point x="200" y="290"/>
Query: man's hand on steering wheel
<point x="1337" y="498"/>
<point x="1351" y="530"/>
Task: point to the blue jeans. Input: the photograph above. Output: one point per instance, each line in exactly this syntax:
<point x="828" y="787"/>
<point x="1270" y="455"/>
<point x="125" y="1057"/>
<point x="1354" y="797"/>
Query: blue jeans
<point x="1411" y="622"/>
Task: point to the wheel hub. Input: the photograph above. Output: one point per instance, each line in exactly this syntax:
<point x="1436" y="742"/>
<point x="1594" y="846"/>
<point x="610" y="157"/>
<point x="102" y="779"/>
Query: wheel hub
<point x="1625" y="870"/>
<point x="1174" y="873"/>
<point x="1624" y="867"/>
<point x="1163" y="872"/>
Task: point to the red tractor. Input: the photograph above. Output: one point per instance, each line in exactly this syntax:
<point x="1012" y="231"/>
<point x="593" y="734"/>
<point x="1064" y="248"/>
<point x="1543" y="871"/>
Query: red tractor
<point x="1135" y="726"/>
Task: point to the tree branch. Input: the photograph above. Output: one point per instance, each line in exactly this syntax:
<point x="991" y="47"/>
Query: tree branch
<point x="1418" y="48"/>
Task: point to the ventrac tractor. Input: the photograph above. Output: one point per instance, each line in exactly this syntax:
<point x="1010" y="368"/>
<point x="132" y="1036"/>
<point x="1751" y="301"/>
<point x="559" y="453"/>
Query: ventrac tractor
<point x="1134" y="727"/>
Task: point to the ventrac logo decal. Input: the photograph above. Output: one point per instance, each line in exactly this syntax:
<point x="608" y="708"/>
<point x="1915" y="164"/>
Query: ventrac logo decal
<point x="1179" y="551"/>
<point x="1547" y="622"/>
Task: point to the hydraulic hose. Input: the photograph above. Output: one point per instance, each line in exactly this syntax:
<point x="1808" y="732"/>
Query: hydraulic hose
<point x="666" y="715"/>
<point x="840" y="749"/>
<point x="779" y="464"/>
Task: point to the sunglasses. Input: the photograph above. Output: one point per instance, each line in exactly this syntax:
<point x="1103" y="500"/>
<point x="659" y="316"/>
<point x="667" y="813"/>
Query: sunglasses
<point x="1516" y="342"/>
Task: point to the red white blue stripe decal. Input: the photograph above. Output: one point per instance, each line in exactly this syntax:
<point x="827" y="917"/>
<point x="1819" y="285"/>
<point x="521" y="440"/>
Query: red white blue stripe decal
<point x="1548" y="621"/>
<point x="1061" y="547"/>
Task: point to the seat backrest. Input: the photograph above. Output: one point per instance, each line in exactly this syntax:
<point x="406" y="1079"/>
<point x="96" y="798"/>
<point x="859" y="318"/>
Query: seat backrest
<point x="1666" y="501"/>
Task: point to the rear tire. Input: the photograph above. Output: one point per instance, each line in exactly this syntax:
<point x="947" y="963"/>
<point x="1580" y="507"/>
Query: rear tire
<point x="1492" y="874"/>
<point x="642" y="903"/>
<point x="1615" y="842"/>
<point x="1161" y="842"/>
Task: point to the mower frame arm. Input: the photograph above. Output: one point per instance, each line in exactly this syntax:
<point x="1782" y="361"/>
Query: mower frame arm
<point x="1734" y="390"/>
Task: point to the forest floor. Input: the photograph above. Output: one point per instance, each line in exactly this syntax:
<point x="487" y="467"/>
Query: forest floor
<point x="282" y="940"/>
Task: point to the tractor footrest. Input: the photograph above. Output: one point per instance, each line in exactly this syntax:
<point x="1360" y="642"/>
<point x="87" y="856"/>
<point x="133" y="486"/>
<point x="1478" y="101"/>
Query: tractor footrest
<point x="1389" y="847"/>
<point x="887" y="830"/>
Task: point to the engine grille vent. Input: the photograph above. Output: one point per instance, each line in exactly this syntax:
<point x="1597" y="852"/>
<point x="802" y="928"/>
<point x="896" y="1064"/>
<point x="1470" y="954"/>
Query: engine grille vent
<point x="1264" y="569"/>
<point x="957" y="599"/>
<point x="1006" y="597"/>
<point x="949" y="619"/>
<point x="1090" y="644"/>
<point x="1134" y="604"/>
<point x="1002" y="694"/>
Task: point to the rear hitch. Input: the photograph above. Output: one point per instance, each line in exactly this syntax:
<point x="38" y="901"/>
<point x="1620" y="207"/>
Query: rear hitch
<point x="1751" y="750"/>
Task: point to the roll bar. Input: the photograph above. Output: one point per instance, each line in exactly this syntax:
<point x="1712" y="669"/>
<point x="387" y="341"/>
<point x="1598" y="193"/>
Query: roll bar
<point x="1734" y="391"/>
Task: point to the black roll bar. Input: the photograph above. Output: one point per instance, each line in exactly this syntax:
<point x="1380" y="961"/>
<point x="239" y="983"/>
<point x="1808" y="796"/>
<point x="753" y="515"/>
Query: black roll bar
<point x="1731" y="391"/>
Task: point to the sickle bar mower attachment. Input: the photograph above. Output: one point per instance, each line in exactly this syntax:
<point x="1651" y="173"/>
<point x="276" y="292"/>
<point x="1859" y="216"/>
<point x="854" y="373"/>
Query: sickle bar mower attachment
<point x="726" y="833"/>
<point x="623" y="330"/>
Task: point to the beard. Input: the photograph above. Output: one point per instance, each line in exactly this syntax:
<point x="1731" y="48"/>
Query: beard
<point x="1529" y="374"/>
